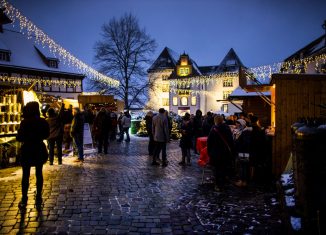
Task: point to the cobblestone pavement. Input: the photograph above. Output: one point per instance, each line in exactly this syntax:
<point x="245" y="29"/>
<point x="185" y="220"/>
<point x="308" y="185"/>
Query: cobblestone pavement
<point x="121" y="193"/>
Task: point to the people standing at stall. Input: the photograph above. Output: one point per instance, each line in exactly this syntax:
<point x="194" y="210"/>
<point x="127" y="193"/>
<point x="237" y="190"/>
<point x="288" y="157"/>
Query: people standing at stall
<point x="125" y="124"/>
<point x="56" y="134"/>
<point x="242" y="138"/>
<point x="77" y="134"/>
<point x="186" y="130"/>
<point x="160" y="129"/>
<point x="32" y="131"/>
<point x="220" y="150"/>
<point x="114" y="123"/>
<point x="101" y="128"/>
<point x="208" y="122"/>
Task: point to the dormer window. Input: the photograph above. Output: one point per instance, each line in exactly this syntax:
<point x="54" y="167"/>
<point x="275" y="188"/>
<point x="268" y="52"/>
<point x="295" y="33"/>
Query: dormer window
<point x="230" y="63"/>
<point x="5" y="55"/>
<point x="53" y="63"/>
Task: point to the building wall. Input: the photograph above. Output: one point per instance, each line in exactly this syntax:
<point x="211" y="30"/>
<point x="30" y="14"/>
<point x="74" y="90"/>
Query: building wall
<point x="209" y="98"/>
<point x="159" y="90"/>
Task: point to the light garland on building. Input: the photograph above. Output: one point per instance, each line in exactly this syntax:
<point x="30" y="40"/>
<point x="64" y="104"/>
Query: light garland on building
<point x="201" y="80"/>
<point x="40" y="37"/>
<point x="40" y="81"/>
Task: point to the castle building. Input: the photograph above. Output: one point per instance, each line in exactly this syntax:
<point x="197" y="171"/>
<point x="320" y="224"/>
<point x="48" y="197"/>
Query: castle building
<point x="179" y="85"/>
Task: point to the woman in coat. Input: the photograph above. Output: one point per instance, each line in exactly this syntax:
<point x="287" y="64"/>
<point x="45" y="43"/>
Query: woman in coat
<point x="56" y="134"/>
<point x="32" y="131"/>
<point x="186" y="130"/>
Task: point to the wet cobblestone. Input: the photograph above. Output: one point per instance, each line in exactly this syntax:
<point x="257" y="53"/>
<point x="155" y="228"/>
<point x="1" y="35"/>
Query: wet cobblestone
<point x="121" y="193"/>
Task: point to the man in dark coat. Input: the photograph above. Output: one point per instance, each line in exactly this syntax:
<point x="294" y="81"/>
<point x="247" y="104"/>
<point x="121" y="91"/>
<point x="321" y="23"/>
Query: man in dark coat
<point x="32" y="131"/>
<point x="77" y="134"/>
<point x="101" y="127"/>
<point x="220" y="151"/>
<point x="149" y="121"/>
<point x="197" y="128"/>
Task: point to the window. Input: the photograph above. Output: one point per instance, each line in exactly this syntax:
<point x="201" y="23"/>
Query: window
<point x="175" y="101"/>
<point x="184" y="101"/>
<point x="165" y="77"/>
<point x="53" y="64"/>
<point x="225" y="108"/>
<point x="4" y="56"/>
<point x="193" y="100"/>
<point x="230" y="63"/>
<point x="227" y="82"/>
<point x="165" y="101"/>
<point x="226" y="94"/>
<point x="165" y="87"/>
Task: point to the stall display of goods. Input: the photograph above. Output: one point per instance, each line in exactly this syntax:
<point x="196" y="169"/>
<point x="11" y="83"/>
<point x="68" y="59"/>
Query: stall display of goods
<point x="10" y="114"/>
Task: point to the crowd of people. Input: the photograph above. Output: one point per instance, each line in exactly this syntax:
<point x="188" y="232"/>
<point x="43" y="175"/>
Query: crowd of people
<point x="236" y="145"/>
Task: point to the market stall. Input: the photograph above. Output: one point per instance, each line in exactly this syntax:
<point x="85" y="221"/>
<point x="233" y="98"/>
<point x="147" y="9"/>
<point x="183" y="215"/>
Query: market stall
<point x="11" y="105"/>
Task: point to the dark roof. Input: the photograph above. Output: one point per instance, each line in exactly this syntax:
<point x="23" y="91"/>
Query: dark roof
<point x="208" y="70"/>
<point x="230" y="63"/>
<point x="166" y="60"/>
<point x="24" y="54"/>
<point x="316" y="47"/>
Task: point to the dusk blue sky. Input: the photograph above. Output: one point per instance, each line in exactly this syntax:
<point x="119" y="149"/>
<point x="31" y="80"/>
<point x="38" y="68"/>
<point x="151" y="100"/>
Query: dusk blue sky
<point x="261" y="32"/>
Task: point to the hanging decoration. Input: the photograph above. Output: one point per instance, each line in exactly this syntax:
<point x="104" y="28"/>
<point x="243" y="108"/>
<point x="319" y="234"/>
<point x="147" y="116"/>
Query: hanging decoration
<point x="40" y="81"/>
<point x="32" y="31"/>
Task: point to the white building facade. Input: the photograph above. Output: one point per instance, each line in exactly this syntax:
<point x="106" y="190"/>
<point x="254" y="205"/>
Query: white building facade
<point x="179" y="85"/>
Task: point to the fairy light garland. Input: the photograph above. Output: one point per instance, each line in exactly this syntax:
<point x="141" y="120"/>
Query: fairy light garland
<point x="26" y="26"/>
<point x="39" y="81"/>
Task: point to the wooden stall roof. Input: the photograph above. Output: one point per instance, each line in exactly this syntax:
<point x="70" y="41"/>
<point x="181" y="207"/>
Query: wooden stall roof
<point x="95" y="99"/>
<point x="291" y="76"/>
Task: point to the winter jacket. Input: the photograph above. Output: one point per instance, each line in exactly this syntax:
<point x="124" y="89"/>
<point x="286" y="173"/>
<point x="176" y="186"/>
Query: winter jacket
<point x="101" y="123"/>
<point x="126" y="121"/>
<point x="186" y="130"/>
<point x="160" y="128"/>
<point x="32" y="132"/>
<point x="220" y="145"/>
<point x="77" y="126"/>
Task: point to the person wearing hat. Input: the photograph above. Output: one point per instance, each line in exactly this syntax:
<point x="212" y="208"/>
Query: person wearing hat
<point x="242" y="138"/>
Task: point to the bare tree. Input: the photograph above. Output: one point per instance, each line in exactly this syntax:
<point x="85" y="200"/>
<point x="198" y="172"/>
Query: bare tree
<point x="124" y="53"/>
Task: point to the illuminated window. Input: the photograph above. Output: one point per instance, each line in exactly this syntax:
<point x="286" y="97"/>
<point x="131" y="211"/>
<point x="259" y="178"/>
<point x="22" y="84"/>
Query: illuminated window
<point x="184" y="101"/>
<point x="165" y="101"/>
<point x="227" y="82"/>
<point x="230" y="63"/>
<point x="193" y="100"/>
<point x="165" y="88"/>
<point x="184" y="71"/>
<point x="226" y="94"/>
<point x="225" y="108"/>
<point x="175" y="101"/>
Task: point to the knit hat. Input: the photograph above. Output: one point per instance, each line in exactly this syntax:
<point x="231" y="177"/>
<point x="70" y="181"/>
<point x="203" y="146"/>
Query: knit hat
<point x="241" y="122"/>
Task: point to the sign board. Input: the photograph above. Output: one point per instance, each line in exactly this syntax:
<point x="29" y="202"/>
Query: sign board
<point x="87" y="134"/>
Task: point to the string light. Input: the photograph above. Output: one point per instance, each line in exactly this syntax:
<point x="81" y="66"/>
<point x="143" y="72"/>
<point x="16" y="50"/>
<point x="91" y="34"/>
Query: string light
<point x="40" y="81"/>
<point x="32" y="31"/>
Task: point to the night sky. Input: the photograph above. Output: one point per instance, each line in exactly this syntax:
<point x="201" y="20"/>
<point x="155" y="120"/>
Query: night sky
<point x="260" y="31"/>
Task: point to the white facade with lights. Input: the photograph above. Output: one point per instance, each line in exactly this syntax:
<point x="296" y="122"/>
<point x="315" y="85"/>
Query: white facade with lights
<point x="179" y="85"/>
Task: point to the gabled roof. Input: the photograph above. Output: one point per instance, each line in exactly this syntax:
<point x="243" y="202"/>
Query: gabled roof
<point x="24" y="55"/>
<point x="230" y="63"/>
<point x="166" y="60"/>
<point x="316" y="47"/>
<point x="208" y="70"/>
